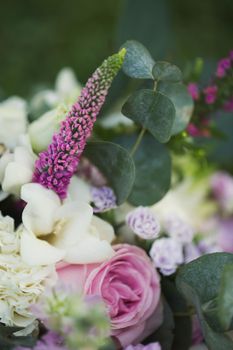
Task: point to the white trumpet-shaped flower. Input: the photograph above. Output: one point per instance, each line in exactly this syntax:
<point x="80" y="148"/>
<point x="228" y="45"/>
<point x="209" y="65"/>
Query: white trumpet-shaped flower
<point x="54" y="231"/>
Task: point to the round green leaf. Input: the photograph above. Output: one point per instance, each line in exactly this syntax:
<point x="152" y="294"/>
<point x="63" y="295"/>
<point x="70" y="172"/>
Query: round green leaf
<point x="138" y="62"/>
<point x="153" y="172"/>
<point x="199" y="282"/>
<point x="153" y="110"/>
<point x="116" y="164"/>
<point x="225" y="299"/>
<point x="177" y="93"/>
<point x="166" y="71"/>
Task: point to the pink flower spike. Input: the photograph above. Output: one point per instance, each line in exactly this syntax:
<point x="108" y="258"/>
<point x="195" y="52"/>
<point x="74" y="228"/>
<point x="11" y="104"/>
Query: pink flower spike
<point x="193" y="91"/>
<point x="210" y="94"/>
<point x="55" y="166"/>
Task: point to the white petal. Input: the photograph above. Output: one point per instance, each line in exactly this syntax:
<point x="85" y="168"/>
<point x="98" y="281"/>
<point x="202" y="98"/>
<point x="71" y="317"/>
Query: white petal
<point x="16" y="175"/>
<point x="79" y="190"/>
<point x="4" y="161"/>
<point x="38" y="215"/>
<point x="35" y="251"/>
<point x="104" y="229"/>
<point x="89" y="250"/>
<point x="76" y="217"/>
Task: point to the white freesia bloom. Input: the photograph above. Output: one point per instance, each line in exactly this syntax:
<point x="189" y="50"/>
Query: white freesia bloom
<point x="13" y="120"/>
<point x="67" y="89"/>
<point x="21" y="285"/>
<point x="16" y="168"/>
<point x="54" y="231"/>
<point x="41" y="131"/>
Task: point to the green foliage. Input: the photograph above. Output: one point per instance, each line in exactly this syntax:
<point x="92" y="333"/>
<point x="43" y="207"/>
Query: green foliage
<point x="8" y="340"/>
<point x="166" y="71"/>
<point x="177" y="93"/>
<point x="225" y="298"/>
<point x="138" y="62"/>
<point x="153" y="110"/>
<point x="199" y="282"/>
<point x="164" y="114"/>
<point x="153" y="172"/>
<point x="181" y="313"/>
<point x="165" y="333"/>
<point x="115" y="163"/>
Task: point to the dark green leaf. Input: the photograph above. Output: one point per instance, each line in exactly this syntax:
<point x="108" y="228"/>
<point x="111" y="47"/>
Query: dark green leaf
<point x="183" y="326"/>
<point x="154" y="111"/>
<point x="115" y="163"/>
<point x="9" y="341"/>
<point x="165" y="333"/>
<point x="153" y="172"/>
<point x="177" y="93"/>
<point x="138" y="62"/>
<point x="166" y="71"/>
<point x="199" y="282"/>
<point x="225" y="299"/>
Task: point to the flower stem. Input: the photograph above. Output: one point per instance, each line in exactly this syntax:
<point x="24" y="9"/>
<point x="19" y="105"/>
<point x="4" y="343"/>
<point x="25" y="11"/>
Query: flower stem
<point x="138" y="141"/>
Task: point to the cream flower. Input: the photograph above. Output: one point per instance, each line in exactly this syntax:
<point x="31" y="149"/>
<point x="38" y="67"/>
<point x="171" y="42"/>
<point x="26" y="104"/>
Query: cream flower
<point x="13" y="120"/>
<point x="54" y="231"/>
<point x="16" y="168"/>
<point x="21" y="285"/>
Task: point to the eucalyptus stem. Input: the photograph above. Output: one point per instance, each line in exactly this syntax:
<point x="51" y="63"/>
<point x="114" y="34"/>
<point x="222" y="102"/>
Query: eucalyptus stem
<point x="138" y="141"/>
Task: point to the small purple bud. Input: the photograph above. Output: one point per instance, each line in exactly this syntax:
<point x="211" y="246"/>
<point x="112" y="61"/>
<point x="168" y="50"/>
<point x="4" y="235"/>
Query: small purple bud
<point x="143" y="223"/>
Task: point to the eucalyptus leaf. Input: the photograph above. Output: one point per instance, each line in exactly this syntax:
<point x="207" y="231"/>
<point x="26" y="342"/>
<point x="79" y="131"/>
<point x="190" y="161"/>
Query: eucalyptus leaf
<point x="199" y="282"/>
<point x="153" y="110"/>
<point x="166" y="71"/>
<point x="115" y="163"/>
<point x="177" y="93"/>
<point x="165" y="333"/>
<point x="138" y="62"/>
<point x="225" y="299"/>
<point x="183" y="325"/>
<point x="153" y="172"/>
<point x="9" y="341"/>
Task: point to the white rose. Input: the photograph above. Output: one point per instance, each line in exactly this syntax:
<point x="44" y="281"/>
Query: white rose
<point x="54" y="231"/>
<point x="13" y="120"/>
<point x="16" y="168"/>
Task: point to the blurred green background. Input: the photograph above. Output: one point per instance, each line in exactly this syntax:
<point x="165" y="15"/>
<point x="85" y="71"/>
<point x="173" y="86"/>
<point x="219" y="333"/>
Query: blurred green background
<point x="38" y="38"/>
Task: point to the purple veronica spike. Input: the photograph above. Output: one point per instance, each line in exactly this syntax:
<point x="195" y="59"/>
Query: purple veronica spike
<point x="55" y="166"/>
<point x="142" y="221"/>
<point x="103" y="198"/>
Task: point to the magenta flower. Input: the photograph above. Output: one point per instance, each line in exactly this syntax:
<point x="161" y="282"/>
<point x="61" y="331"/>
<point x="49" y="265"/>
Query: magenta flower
<point x="55" y="166"/>
<point x="210" y="94"/>
<point x="193" y="91"/>
<point x="228" y="105"/>
<point x="223" y="65"/>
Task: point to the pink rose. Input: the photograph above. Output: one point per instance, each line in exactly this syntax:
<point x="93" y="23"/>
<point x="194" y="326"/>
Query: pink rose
<point x="129" y="285"/>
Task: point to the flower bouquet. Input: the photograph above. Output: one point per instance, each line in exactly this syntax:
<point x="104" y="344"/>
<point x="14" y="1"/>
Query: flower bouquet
<point x="115" y="230"/>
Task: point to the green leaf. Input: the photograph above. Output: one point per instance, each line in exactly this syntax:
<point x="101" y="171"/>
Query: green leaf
<point x="177" y="93"/>
<point x="225" y="299"/>
<point x="8" y="340"/>
<point x="153" y="172"/>
<point x="166" y="71"/>
<point x="183" y="326"/>
<point x="138" y="62"/>
<point x="153" y="110"/>
<point x="199" y="282"/>
<point x="115" y="163"/>
<point x="165" y="333"/>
